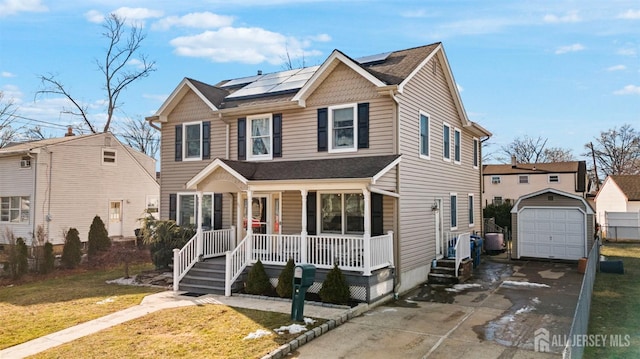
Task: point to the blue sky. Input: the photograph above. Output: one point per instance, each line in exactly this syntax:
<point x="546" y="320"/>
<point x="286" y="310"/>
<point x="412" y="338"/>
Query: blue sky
<point x="562" y="70"/>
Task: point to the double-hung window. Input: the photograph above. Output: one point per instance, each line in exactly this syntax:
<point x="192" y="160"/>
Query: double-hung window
<point x="188" y="210"/>
<point x="446" y="142"/>
<point x="343" y="129"/>
<point x="495" y="179"/>
<point x="15" y="209"/>
<point x="457" y="139"/>
<point x="342" y="213"/>
<point x="260" y="135"/>
<point x="424" y="135"/>
<point x="523" y="179"/>
<point x="454" y="210"/>
<point x="192" y="139"/>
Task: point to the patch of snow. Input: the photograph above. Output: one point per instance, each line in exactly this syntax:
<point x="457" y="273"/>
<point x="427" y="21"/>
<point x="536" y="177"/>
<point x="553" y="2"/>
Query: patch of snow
<point x="460" y="287"/>
<point x="526" y="309"/>
<point x="535" y="300"/>
<point x="389" y="310"/>
<point x="124" y="281"/>
<point x="309" y="321"/>
<point x="257" y="334"/>
<point x="524" y="284"/>
<point x="292" y="329"/>
<point x="106" y="300"/>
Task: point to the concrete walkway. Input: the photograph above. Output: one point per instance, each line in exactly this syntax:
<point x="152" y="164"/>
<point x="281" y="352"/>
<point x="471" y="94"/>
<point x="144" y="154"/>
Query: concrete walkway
<point x="153" y="303"/>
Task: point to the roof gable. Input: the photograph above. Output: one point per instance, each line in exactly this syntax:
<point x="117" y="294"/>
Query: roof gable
<point x="210" y="95"/>
<point x="629" y="185"/>
<point x="516" y="206"/>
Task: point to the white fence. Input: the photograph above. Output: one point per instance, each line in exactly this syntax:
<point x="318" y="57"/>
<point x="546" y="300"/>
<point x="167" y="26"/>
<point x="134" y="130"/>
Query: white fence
<point x="621" y="226"/>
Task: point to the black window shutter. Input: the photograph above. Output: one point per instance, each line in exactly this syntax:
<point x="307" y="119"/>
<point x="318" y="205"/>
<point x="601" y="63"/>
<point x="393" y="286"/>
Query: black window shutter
<point x="363" y="125"/>
<point x="178" y="142"/>
<point x="377" y="227"/>
<point x="217" y="211"/>
<point x="311" y="213"/>
<point x="322" y="129"/>
<point x="206" y="140"/>
<point x="242" y="138"/>
<point x="173" y="204"/>
<point x="277" y="135"/>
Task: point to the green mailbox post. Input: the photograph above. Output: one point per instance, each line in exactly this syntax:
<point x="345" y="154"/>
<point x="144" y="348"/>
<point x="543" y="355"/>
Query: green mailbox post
<point x="303" y="277"/>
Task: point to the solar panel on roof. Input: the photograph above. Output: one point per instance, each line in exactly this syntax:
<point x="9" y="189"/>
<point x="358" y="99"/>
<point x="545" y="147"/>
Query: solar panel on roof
<point x="373" y="58"/>
<point x="242" y="81"/>
<point x="274" y="82"/>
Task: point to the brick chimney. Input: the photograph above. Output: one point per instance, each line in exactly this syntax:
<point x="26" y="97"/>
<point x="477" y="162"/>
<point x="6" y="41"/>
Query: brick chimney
<point x="69" y="132"/>
<point x="514" y="163"/>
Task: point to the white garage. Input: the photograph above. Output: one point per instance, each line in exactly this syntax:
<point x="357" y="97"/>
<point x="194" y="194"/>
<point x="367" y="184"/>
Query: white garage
<point x="552" y="224"/>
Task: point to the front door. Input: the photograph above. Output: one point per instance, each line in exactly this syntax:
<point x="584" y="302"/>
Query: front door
<point x="438" y="227"/>
<point x="259" y="209"/>
<point x="115" y="218"/>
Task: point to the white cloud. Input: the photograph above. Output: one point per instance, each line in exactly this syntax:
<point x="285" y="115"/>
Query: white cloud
<point x="569" y="48"/>
<point x="616" y="68"/>
<point x="626" y="52"/>
<point x="570" y="17"/>
<point x="630" y="15"/>
<point x="628" y="90"/>
<point x="12" y="7"/>
<point x="7" y="74"/>
<point x="320" y="38"/>
<point x="250" y="45"/>
<point x="132" y="16"/>
<point x="417" y="14"/>
<point x="94" y="16"/>
<point x="201" y="20"/>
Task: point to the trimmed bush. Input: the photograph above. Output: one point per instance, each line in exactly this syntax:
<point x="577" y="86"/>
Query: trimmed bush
<point x="98" y="237"/>
<point x="258" y="281"/>
<point x="285" y="280"/>
<point x="72" y="250"/>
<point x="49" y="259"/>
<point x="335" y="288"/>
<point x="22" y="258"/>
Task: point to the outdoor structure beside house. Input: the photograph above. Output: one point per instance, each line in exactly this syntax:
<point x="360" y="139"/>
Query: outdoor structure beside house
<point x="65" y="182"/>
<point x="552" y="224"/>
<point x="366" y="163"/>
<point x="508" y="182"/>
<point x="618" y="207"/>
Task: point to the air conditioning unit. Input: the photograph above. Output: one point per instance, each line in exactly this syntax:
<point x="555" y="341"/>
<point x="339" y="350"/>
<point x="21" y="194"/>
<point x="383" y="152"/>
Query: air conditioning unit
<point x="25" y="163"/>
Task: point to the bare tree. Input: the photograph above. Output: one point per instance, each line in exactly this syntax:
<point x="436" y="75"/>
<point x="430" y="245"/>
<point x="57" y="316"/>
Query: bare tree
<point x="616" y="151"/>
<point x="8" y="109"/>
<point x="35" y="133"/>
<point x="116" y="68"/>
<point x="141" y="136"/>
<point x="533" y="150"/>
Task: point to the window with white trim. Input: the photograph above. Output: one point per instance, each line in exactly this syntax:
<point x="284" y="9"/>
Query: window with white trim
<point x="188" y="210"/>
<point x="497" y="200"/>
<point x="446" y="142"/>
<point x="192" y="139"/>
<point x="457" y="143"/>
<point x="260" y="137"/>
<point x="425" y="134"/>
<point x="471" y="210"/>
<point x="476" y="152"/>
<point x="453" y="198"/>
<point x="554" y="178"/>
<point x="15" y="209"/>
<point x="343" y="128"/>
<point x="342" y="213"/>
<point x="25" y="162"/>
<point x="523" y="179"/>
<point x="495" y="179"/>
<point x="108" y="156"/>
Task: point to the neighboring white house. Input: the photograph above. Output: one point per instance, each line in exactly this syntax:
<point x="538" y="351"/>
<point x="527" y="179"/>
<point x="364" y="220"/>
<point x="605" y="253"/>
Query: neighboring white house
<point x="60" y="183"/>
<point x="618" y="206"/>
<point x="508" y="182"/>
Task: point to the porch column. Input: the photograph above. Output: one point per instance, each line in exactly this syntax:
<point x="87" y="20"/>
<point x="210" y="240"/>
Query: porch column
<point x="303" y="233"/>
<point x="249" y="225"/>
<point x="238" y="218"/>
<point x="367" y="231"/>
<point x="199" y="244"/>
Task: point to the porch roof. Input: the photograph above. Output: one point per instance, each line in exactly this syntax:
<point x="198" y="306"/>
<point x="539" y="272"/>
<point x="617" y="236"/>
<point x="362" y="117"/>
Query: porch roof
<point x="369" y="167"/>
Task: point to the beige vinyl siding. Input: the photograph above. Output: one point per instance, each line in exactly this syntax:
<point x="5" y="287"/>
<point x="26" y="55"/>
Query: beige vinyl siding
<point x="388" y="181"/>
<point x="291" y="212"/>
<point x="16" y="181"/>
<point x="81" y="187"/>
<point x="388" y="213"/>
<point x="421" y="180"/>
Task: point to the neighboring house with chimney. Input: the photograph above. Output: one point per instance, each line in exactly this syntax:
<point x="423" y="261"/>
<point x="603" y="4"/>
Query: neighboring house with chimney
<point x="365" y="163"/>
<point x="59" y="183"/>
<point x="505" y="183"/>
<point x="618" y="207"/>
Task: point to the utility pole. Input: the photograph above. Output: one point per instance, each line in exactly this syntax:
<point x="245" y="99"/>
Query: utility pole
<point x="595" y="168"/>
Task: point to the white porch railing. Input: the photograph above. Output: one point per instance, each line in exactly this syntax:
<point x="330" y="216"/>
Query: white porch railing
<point x="236" y="262"/>
<point x="458" y="246"/>
<point x="183" y="260"/>
<point x="276" y="249"/>
<point x="347" y="252"/>
<point x="217" y="243"/>
<point x="382" y="251"/>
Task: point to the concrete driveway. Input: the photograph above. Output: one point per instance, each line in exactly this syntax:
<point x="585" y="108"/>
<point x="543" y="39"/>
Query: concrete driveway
<point x="492" y="315"/>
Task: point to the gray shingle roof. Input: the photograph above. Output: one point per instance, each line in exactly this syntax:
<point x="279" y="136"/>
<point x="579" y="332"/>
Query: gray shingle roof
<point x="334" y="168"/>
<point x="531" y="168"/>
<point x="629" y="184"/>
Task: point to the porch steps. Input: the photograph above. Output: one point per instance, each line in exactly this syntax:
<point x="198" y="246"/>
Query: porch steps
<point x="444" y="272"/>
<point x="206" y="277"/>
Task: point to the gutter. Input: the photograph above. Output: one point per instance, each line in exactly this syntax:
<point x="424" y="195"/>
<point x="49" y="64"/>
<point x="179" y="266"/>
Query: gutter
<point x="151" y="120"/>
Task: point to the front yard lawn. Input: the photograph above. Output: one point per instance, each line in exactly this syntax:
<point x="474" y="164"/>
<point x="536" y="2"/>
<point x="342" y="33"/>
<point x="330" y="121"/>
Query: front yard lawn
<point x="34" y="309"/>
<point x="615" y="304"/>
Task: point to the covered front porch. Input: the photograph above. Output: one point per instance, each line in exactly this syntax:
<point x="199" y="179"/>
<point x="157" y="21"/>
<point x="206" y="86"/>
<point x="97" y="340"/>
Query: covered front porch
<point x="323" y="222"/>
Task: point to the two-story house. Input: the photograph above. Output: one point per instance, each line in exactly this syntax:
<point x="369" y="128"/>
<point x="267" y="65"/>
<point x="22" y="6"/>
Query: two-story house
<point x="59" y="183"/>
<point x="508" y="182"/>
<point x="365" y="163"/>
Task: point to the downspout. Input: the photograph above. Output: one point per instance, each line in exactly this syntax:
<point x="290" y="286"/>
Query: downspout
<point x="228" y="141"/>
<point x="35" y="188"/>
<point x="396" y="243"/>
<point x="482" y="141"/>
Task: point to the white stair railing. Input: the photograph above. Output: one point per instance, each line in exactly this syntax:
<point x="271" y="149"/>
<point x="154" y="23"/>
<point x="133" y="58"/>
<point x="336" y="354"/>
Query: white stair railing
<point x="183" y="260"/>
<point x="463" y="249"/>
<point x="218" y="242"/>
<point x="236" y="262"/>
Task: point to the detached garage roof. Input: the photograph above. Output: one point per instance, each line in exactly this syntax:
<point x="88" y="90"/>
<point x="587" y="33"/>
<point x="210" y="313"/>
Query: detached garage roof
<point x="516" y="206"/>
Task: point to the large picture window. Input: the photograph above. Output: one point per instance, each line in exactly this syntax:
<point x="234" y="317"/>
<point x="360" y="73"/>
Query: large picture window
<point x="343" y="128"/>
<point x="15" y="209"/>
<point x="342" y="213"/>
<point x="188" y="210"/>
<point x="260" y="144"/>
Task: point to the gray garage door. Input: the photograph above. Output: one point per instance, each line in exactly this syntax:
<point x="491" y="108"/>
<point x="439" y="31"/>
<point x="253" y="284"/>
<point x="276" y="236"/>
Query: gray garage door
<point x="551" y="233"/>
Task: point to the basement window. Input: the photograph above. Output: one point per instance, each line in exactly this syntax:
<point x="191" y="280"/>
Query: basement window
<point x="108" y="156"/>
